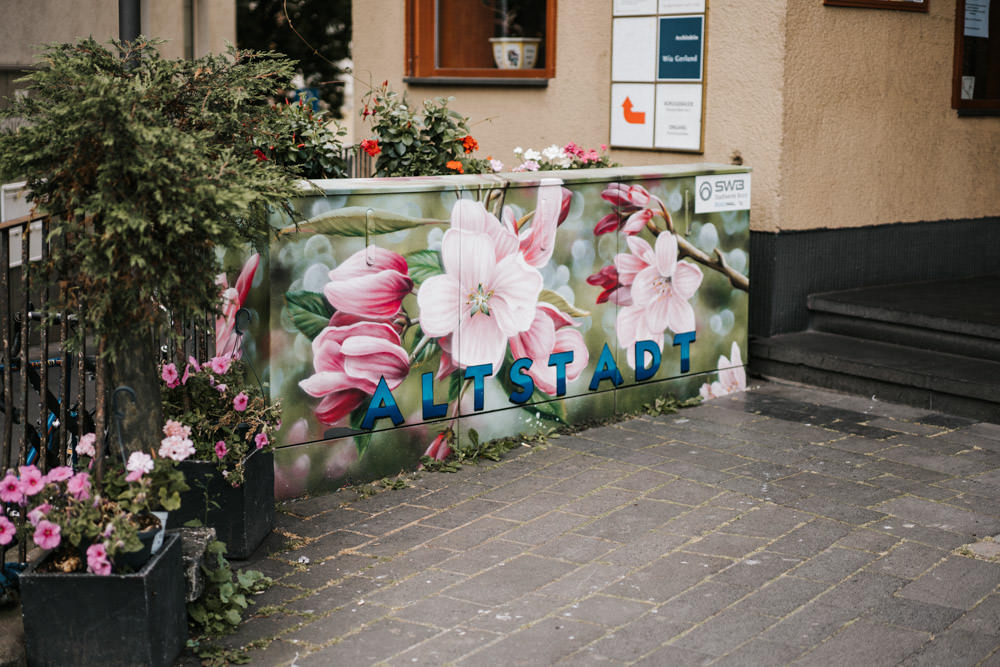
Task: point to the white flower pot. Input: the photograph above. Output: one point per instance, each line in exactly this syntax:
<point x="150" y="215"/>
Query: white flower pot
<point x="515" y="52"/>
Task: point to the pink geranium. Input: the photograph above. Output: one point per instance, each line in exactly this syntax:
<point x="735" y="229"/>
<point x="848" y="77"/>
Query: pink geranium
<point x="220" y="449"/>
<point x="10" y="489"/>
<point x="260" y="440"/>
<point x="86" y="445"/>
<point x="227" y="342"/>
<point x="32" y="480"/>
<point x="176" y="447"/>
<point x="7" y="531"/>
<point x="551" y="332"/>
<point x="47" y="534"/>
<point x="140" y="462"/>
<point x="486" y="296"/>
<point x="371" y="283"/>
<point x="175" y="428"/>
<point x="97" y="559"/>
<point x="240" y="401"/>
<point x="59" y="474"/>
<point x="348" y="363"/>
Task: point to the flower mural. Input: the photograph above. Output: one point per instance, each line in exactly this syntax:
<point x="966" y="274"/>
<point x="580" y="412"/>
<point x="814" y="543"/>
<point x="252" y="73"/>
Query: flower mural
<point x="409" y="320"/>
<point x="732" y="376"/>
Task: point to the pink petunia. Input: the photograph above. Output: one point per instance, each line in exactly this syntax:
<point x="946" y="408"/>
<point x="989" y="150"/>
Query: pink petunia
<point x="97" y="560"/>
<point x="372" y="283"/>
<point x="133" y="476"/>
<point x="240" y="402"/>
<point x="78" y="486"/>
<point x="10" y="489"/>
<point x="39" y="513"/>
<point x="59" y="474"/>
<point x="32" y="480"/>
<point x="7" y="531"/>
<point x="220" y="449"/>
<point x="47" y="534"/>
<point x="260" y="440"/>
<point x="192" y="365"/>
<point x="219" y="365"/>
<point x="170" y="375"/>
<point x="348" y="363"/>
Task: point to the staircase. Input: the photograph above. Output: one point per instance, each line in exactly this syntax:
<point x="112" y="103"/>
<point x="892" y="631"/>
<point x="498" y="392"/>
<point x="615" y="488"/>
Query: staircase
<point x="934" y="345"/>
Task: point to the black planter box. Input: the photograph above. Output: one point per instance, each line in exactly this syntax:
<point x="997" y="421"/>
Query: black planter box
<point x="243" y="516"/>
<point x="117" y="619"/>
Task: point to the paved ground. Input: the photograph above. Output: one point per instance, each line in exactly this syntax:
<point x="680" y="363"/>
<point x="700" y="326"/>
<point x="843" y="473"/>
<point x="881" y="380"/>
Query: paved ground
<point x="784" y="525"/>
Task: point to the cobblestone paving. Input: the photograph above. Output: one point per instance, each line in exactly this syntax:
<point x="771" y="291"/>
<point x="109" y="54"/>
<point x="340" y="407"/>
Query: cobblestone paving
<point x="786" y="525"/>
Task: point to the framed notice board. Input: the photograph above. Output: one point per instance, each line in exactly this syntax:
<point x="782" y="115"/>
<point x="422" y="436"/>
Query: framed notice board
<point x="658" y="74"/>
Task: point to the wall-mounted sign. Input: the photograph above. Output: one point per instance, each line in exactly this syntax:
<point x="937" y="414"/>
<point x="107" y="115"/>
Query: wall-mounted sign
<point x="657" y="74"/>
<point x="722" y="192"/>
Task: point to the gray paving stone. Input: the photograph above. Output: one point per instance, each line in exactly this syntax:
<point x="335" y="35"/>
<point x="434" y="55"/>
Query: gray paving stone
<point x="606" y="610"/>
<point x="768" y="520"/>
<point x="908" y="560"/>
<point x="955" y="648"/>
<point x="866" y="643"/>
<point x="810" y="625"/>
<point x="782" y="596"/>
<point x="482" y="557"/>
<point x="633" y="640"/>
<point x="644" y="550"/>
<point x="956" y="582"/>
<point x="643" y="480"/>
<point x="725" y="544"/>
<point x="674" y="656"/>
<point x="833" y="564"/>
<point x="444" y="648"/>
<point x="756" y="570"/>
<point x="983" y="618"/>
<point x="699" y="602"/>
<point x="345" y="592"/>
<point x="601" y="501"/>
<point x="405" y="592"/>
<point x="941" y="515"/>
<point x="437" y="610"/>
<point x="632" y="520"/>
<point x="543" y="643"/>
<point x="684" y="492"/>
<point x="810" y="539"/>
<point x="375" y="642"/>
<point x="666" y="577"/>
<point x="544" y="527"/>
<point x="462" y="513"/>
<point x="914" y="614"/>
<point x="864" y="539"/>
<point x="401" y="540"/>
<point x="534" y="506"/>
<point x="724" y="632"/>
<point x="584" y="580"/>
<point x="700" y="520"/>
<point x="510" y="580"/>
<point x="759" y="652"/>
<point x="403" y="565"/>
<point x="849" y="514"/>
<point x="473" y="534"/>
<point x="519" y="489"/>
<point x="862" y="591"/>
<point x="336" y="623"/>
<point x="574" y="548"/>
<point x="507" y="617"/>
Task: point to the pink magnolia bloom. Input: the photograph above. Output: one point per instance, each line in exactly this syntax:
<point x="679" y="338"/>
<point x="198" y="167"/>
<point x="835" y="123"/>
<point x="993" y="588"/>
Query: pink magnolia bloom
<point x="7" y="530"/>
<point x="170" y="375"/>
<point x="348" y="362"/>
<point x="371" y="283"/>
<point x="260" y="440"/>
<point x="10" y="489"/>
<point x="86" y="445"/>
<point x="440" y="448"/>
<point x="32" y="480"/>
<point x="140" y="462"/>
<point x="485" y="296"/>
<point x="633" y="208"/>
<point x="220" y="449"/>
<point x="660" y="293"/>
<point x="538" y="240"/>
<point x="550" y="332"/>
<point x="612" y="289"/>
<point x="59" y="474"/>
<point x="47" y="534"/>
<point x="78" y="486"/>
<point x="227" y="343"/>
<point x="241" y="401"/>
<point x="39" y="513"/>
<point x="175" y="428"/>
<point x="732" y="376"/>
<point x="97" y="560"/>
<point x="472" y="216"/>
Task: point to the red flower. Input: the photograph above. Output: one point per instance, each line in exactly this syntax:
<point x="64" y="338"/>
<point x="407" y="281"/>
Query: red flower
<point x="455" y="165"/>
<point x="470" y="144"/>
<point x="371" y="147"/>
<point x="261" y="157"/>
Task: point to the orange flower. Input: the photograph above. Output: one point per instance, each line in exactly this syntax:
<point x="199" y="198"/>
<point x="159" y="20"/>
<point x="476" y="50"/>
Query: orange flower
<point x="455" y="165"/>
<point x="470" y="144"/>
<point x="371" y="147"/>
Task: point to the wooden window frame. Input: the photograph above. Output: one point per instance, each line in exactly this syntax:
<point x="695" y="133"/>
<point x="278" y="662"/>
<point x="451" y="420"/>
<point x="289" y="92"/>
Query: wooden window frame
<point x="421" y="42"/>
<point x="986" y="106"/>
<point x="903" y="5"/>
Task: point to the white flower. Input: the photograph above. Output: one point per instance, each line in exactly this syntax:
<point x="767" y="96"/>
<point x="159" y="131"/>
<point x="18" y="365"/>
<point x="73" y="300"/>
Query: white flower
<point x="496" y="165"/>
<point x="86" y="445"/>
<point x="531" y="155"/>
<point x="518" y="150"/>
<point x="553" y="153"/>
<point x="139" y="461"/>
<point x="176" y="447"/>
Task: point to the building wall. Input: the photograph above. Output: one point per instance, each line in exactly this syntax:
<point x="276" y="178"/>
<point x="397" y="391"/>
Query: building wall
<point x="843" y="114"/>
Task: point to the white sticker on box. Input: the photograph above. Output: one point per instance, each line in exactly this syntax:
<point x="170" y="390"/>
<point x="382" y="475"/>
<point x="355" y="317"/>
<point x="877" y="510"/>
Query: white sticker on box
<point x="722" y="192"/>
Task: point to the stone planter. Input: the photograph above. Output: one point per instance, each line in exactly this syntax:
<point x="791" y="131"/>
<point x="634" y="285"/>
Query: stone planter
<point x="242" y="517"/>
<point x="118" y="619"/>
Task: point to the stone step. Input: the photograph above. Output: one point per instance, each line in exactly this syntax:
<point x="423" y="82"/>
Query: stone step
<point x="925" y="378"/>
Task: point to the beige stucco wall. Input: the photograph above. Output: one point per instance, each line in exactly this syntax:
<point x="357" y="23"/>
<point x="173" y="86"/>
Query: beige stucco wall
<point x="24" y="24"/>
<point x="843" y="114"/>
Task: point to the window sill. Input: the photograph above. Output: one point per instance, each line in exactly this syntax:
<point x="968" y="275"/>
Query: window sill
<point x="476" y="81"/>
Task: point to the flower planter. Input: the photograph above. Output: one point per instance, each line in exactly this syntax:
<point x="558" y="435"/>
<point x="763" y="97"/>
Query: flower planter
<point x="117" y="619"/>
<point x="242" y="517"/>
<point x="515" y="52"/>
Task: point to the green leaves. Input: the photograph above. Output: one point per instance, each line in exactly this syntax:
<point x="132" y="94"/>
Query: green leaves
<point x="309" y="311"/>
<point x="360" y="221"/>
<point x="424" y="264"/>
<point x="226" y="596"/>
<point x="557" y="300"/>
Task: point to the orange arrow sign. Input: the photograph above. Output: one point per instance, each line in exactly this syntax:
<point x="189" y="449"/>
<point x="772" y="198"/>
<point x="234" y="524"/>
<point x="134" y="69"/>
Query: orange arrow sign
<point x="633" y="117"/>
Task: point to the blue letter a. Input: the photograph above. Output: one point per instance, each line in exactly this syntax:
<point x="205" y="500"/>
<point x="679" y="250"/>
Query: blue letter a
<point x="382" y="405"/>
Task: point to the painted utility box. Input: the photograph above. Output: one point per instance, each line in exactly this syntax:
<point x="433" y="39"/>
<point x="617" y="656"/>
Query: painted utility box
<point x="398" y="313"/>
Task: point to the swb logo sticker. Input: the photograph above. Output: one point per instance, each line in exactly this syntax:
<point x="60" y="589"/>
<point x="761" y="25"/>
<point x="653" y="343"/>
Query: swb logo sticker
<point x="723" y="192"/>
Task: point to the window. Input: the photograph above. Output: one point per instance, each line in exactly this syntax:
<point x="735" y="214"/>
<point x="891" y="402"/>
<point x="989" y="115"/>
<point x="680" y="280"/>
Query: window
<point x="976" y="79"/>
<point x="457" y="41"/>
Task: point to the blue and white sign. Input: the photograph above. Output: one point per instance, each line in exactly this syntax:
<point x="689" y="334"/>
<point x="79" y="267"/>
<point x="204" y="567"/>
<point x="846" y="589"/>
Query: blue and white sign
<point x="681" y="48"/>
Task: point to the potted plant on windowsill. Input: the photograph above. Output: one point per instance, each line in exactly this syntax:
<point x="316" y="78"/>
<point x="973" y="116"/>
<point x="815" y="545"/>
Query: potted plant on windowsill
<point x="102" y="555"/>
<point x="512" y="48"/>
